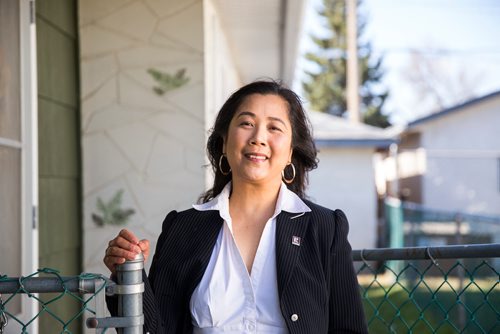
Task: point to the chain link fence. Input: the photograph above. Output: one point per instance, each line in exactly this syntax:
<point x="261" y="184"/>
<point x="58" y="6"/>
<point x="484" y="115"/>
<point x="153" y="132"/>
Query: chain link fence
<point x="53" y="287"/>
<point x="449" y="289"/>
<point x="48" y="287"/>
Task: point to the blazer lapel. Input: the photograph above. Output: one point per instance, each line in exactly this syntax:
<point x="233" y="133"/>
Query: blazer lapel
<point x="200" y="241"/>
<point x="290" y="232"/>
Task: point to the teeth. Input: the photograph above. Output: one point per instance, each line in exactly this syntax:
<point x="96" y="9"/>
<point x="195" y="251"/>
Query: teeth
<point x="259" y="157"/>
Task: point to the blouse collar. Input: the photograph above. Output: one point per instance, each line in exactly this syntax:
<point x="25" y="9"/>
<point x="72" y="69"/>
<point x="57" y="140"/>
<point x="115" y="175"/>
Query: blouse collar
<point x="287" y="201"/>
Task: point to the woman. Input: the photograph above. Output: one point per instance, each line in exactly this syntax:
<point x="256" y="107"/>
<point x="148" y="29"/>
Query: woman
<point x="254" y="256"/>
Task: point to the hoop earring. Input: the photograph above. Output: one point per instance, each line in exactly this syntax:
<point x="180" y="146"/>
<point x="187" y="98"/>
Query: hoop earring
<point x="220" y="166"/>
<point x="293" y="172"/>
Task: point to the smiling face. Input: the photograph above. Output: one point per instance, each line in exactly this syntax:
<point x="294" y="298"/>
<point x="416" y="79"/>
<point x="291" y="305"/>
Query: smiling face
<point x="258" y="144"/>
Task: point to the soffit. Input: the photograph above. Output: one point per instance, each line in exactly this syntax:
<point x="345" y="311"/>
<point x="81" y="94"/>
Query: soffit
<point x="263" y="36"/>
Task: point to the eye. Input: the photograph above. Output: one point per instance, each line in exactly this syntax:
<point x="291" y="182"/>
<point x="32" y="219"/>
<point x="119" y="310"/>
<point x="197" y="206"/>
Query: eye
<point x="275" y="128"/>
<point x="246" y="124"/>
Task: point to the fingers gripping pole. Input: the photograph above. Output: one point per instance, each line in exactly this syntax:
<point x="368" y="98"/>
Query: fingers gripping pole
<point x="129" y="289"/>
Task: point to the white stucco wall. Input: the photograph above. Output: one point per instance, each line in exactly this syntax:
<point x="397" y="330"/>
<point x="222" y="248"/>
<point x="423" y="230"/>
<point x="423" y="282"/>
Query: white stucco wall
<point x="149" y="146"/>
<point x="222" y="77"/>
<point x="345" y="180"/>
<point x="463" y="152"/>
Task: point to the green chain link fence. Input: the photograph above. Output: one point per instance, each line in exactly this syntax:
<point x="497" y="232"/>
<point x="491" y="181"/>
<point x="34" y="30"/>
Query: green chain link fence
<point x="48" y="287"/>
<point x="81" y="289"/>
<point x="449" y="289"/>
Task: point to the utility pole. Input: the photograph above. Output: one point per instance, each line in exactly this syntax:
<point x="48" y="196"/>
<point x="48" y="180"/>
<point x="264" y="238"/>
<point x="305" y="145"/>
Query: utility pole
<point x="352" y="62"/>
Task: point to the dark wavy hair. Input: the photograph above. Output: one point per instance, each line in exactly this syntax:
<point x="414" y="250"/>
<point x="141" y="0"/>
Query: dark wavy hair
<point x="304" y="151"/>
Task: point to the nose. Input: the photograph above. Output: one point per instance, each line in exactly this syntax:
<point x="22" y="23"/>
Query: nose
<point x="259" y="136"/>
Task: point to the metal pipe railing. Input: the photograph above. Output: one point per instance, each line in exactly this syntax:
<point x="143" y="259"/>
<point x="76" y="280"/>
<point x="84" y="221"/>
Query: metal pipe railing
<point x="49" y="284"/>
<point x="428" y="253"/>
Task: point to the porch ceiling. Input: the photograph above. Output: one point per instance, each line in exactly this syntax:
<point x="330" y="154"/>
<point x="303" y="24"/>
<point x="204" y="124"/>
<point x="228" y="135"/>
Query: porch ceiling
<point x="263" y="35"/>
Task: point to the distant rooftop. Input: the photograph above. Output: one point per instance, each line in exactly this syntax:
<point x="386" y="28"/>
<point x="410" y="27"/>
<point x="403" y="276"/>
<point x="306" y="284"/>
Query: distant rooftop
<point x="331" y="130"/>
<point x="453" y="109"/>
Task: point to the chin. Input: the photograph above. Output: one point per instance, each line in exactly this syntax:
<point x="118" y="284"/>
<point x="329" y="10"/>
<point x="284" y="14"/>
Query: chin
<point x="261" y="180"/>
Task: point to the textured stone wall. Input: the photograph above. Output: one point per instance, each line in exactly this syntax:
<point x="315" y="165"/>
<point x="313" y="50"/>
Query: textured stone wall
<point x="143" y="153"/>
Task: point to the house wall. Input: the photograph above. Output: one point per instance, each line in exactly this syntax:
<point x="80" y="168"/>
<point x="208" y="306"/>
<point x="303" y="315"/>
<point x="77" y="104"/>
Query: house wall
<point x="221" y="73"/>
<point x="345" y="180"/>
<point x="411" y="166"/>
<point x="60" y="222"/>
<point x="463" y="152"/>
<point x="142" y="149"/>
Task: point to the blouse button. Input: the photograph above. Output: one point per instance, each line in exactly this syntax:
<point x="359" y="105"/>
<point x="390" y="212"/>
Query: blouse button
<point x="294" y="317"/>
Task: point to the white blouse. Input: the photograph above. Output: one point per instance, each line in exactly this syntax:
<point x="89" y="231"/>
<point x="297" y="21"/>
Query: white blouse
<point x="228" y="299"/>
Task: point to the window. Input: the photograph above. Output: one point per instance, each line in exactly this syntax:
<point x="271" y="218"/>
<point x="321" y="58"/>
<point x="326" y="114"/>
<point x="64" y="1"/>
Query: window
<point x="18" y="171"/>
<point x="10" y="137"/>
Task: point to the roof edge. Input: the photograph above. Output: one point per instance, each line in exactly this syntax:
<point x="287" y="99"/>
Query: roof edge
<point x="377" y="143"/>
<point x="453" y="109"/>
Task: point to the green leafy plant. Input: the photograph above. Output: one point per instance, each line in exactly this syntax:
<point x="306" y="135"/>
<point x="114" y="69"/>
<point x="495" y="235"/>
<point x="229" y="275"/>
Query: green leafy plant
<point x="167" y="82"/>
<point x="110" y="212"/>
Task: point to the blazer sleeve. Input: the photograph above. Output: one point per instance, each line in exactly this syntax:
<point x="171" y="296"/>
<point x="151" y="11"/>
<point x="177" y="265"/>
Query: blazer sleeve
<point x="152" y="320"/>
<point x="346" y="309"/>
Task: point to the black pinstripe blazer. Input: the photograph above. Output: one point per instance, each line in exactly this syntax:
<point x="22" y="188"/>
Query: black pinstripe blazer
<point x="316" y="280"/>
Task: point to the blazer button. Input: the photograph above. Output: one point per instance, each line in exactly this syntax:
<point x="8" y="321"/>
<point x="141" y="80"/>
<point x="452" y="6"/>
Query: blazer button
<point x="294" y="317"/>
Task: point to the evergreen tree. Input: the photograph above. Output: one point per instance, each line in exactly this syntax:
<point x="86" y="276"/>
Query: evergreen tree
<point x="326" y="88"/>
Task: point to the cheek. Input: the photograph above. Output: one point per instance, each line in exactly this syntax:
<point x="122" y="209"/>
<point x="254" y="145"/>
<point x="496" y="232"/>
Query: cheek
<point x="284" y="147"/>
<point x="234" y="139"/>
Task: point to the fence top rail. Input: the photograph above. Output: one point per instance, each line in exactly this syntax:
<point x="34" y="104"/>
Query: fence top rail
<point x="428" y="253"/>
<point x="51" y="284"/>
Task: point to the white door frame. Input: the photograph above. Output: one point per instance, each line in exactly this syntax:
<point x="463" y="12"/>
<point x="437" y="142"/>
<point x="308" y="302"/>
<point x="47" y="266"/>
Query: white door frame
<point x="29" y="154"/>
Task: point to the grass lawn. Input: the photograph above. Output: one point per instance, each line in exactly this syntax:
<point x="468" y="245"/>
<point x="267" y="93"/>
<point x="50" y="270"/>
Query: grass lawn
<point x="432" y="306"/>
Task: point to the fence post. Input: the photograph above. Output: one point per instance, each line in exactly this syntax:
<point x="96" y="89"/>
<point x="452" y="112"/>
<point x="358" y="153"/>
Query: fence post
<point x="129" y="289"/>
<point x="394" y="216"/>
<point x="460" y="271"/>
<point x="129" y="280"/>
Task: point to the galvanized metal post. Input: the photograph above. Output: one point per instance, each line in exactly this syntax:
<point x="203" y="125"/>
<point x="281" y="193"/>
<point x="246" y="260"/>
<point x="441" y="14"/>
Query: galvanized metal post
<point x="130" y="288"/>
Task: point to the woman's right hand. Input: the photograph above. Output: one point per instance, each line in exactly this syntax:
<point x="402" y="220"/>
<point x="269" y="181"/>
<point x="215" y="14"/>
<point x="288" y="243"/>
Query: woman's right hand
<point x="125" y="246"/>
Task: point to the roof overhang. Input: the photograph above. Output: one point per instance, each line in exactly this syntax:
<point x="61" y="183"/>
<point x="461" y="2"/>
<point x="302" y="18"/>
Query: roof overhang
<point x="263" y="36"/>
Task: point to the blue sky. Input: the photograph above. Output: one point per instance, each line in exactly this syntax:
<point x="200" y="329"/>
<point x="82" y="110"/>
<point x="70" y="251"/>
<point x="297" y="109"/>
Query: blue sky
<point x="467" y="33"/>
